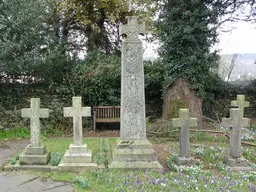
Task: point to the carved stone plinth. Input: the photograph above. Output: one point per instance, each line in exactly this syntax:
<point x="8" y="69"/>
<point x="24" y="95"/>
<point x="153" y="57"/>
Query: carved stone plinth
<point x="136" y="154"/>
<point x="34" y="156"/>
<point x="77" y="159"/>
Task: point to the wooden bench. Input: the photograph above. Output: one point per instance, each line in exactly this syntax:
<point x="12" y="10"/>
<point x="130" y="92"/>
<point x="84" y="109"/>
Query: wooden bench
<point x="106" y="114"/>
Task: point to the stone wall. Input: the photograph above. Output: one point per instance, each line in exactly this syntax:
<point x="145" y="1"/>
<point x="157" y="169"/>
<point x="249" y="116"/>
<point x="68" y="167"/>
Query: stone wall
<point x="11" y="118"/>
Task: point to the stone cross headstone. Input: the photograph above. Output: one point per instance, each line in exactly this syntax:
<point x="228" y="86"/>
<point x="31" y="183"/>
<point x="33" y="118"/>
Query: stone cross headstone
<point x="185" y="123"/>
<point x="240" y="103"/>
<point x="235" y="122"/>
<point x="133" y="120"/>
<point x="78" y="157"/>
<point x="77" y="112"/>
<point x="35" y="153"/>
<point x="34" y="113"/>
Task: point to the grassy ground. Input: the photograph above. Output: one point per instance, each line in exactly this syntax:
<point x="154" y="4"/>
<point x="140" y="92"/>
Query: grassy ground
<point x="209" y="174"/>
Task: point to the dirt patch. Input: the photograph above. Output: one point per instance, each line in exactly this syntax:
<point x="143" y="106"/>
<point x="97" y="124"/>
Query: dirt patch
<point x="162" y="155"/>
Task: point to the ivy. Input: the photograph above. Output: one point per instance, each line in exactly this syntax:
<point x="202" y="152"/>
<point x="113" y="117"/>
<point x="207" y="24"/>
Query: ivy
<point x="187" y="31"/>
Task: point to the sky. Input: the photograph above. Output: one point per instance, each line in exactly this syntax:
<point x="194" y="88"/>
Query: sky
<point x="242" y="39"/>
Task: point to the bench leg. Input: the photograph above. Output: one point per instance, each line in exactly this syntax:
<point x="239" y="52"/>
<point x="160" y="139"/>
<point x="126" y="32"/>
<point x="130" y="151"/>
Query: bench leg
<point x="94" y="124"/>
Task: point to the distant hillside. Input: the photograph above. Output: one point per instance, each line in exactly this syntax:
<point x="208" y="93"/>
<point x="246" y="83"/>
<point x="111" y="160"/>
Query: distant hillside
<point x="244" y="69"/>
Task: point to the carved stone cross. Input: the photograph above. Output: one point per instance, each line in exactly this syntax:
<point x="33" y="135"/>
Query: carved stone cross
<point x="77" y="112"/>
<point x="236" y="122"/>
<point x="184" y="122"/>
<point x="34" y="113"/>
<point x="240" y="103"/>
<point x="132" y="29"/>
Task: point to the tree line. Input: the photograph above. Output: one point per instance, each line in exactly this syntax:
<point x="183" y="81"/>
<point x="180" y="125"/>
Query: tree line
<point x="40" y="43"/>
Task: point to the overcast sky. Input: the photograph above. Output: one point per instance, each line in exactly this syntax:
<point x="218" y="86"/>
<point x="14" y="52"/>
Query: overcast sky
<point x="242" y="39"/>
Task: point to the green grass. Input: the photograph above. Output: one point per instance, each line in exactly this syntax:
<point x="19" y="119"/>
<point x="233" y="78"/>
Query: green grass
<point x="210" y="174"/>
<point x="62" y="144"/>
<point x="25" y="133"/>
<point x="14" y="133"/>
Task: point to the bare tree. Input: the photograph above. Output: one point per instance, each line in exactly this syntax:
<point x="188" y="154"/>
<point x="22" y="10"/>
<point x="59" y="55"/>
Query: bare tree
<point x="232" y="65"/>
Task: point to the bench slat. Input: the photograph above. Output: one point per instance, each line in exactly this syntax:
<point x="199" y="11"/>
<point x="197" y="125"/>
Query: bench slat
<point x="104" y="120"/>
<point x="106" y="114"/>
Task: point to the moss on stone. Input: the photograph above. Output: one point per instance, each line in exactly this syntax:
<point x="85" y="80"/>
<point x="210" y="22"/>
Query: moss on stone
<point x="175" y="104"/>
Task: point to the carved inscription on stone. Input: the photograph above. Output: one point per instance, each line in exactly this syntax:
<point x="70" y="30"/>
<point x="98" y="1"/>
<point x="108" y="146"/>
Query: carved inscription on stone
<point x="133" y="97"/>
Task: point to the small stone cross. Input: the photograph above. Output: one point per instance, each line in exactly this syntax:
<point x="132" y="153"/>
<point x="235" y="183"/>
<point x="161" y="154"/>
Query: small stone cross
<point x="132" y="29"/>
<point x="236" y="122"/>
<point x="34" y="113"/>
<point x="184" y="122"/>
<point x="240" y="103"/>
<point x="77" y="112"/>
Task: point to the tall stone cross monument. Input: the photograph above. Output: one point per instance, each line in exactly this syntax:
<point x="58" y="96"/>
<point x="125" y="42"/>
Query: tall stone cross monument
<point x="133" y="150"/>
<point x="35" y="152"/>
<point x="133" y="120"/>
<point x="235" y="122"/>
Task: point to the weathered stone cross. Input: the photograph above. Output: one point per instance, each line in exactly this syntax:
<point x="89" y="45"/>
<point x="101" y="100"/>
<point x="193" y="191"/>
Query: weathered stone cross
<point x="185" y="123"/>
<point x="77" y="112"/>
<point x="132" y="29"/>
<point x="34" y="113"/>
<point x="236" y="122"/>
<point x="240" y="103"/>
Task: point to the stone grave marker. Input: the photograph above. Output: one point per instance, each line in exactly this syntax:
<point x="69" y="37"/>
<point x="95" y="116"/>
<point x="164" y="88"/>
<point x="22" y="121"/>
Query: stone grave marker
<point x="77" y="157"/>
<point x="241" y="104"/>
<point x="133" y="150"/>
<point x="235" y="122"/>
<point x="35" y="153"/>
<point x="184" y="122"/>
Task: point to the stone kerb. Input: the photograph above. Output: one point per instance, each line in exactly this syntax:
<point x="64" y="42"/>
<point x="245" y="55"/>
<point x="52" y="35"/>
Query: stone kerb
<point x="77" y="158"/>
<point x="184" y="122"/>
<point x="133" y="150"/>
<point x="235" y="122"/>
<point x="35" y="153"/>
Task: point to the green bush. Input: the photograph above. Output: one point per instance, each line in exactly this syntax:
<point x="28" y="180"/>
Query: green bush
<point x="15" y="159"/>
<point x="83" y="182"/>
<point x="97" y="79"/>
<point x="55" y="158"/>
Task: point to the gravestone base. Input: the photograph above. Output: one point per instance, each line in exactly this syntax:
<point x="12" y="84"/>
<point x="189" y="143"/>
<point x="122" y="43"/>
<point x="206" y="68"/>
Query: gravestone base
<point x="134" y="154"/>
<point x="31" y="150"/>
<point x="25" y="159"/>
<point x="77" y="159"/>
<point x="236" y="162"/>
<point x="188" y="161"/>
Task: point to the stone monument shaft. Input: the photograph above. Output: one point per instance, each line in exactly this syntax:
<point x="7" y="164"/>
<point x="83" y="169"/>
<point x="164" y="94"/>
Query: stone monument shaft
<point x="133" y="118"/>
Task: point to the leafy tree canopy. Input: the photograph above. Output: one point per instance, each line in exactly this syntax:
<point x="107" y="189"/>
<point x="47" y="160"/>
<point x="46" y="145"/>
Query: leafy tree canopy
<point x="26" y="38"/>
<point x="99" y="20"/>
<point x="187" y="30"/>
